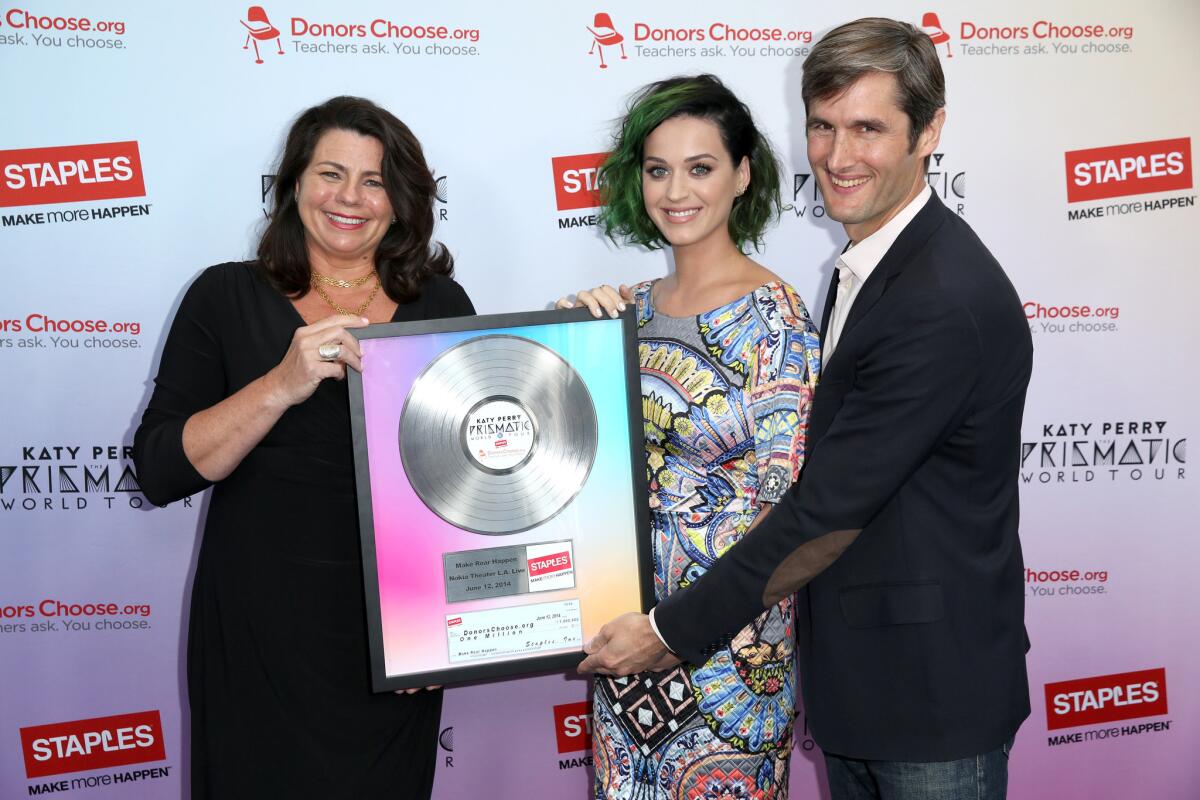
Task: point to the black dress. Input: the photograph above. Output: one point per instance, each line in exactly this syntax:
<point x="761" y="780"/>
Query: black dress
<point x="278" y="674"/>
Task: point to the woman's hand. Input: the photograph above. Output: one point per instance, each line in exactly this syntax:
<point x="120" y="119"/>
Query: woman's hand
<point x="600" y="301"/>
<point x="216" y="439"/>
<point x="303" y="367"/>
<point x="416" y="689"/>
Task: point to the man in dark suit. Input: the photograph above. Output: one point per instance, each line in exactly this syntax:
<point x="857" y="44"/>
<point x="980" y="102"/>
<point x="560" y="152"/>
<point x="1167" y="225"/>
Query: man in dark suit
<point x="900" y="538"/>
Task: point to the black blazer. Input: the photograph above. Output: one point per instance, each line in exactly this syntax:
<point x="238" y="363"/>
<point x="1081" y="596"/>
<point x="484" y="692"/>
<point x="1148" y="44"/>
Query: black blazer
<point x="900" y="538"/>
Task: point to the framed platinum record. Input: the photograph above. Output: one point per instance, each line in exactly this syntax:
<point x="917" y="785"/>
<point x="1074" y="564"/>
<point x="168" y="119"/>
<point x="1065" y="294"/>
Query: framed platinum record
<point x="501" y="492"/>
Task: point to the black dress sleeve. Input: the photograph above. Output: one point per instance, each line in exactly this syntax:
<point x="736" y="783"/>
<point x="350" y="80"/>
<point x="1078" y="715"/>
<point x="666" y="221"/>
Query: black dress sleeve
<point x="447" y="298"/>
<point x="191" y="377"/>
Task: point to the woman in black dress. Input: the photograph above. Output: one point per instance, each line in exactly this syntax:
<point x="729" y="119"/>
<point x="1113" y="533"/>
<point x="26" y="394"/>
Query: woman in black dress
<point x="278" y="676"/>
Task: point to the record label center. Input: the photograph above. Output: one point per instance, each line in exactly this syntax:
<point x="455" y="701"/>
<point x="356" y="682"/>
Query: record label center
<point x="499" y="434"/>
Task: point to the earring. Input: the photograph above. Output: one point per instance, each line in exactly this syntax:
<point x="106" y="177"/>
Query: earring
<point x="394" y="220"/>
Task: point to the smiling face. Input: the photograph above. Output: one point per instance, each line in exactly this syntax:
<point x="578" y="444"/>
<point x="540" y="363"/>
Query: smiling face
<point x="858" y="145"/>
<point x="342" y="202"/>
<point x="689" y="181"/>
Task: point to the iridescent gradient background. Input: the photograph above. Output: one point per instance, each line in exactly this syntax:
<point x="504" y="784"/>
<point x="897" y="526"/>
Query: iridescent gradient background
<point x="410" y="539"/>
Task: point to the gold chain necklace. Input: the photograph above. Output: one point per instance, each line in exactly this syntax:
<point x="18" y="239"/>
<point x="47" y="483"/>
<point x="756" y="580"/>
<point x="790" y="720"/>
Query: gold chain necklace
<point x="358" y="312"/>
<point x="340" y="283"/>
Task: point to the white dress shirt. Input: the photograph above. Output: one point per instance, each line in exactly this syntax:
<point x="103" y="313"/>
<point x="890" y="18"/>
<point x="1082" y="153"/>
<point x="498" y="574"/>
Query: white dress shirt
<point x="858" y="262"/>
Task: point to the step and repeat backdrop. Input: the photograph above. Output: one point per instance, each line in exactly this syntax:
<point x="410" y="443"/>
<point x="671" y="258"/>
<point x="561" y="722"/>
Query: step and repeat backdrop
<point x="137" y="147"/>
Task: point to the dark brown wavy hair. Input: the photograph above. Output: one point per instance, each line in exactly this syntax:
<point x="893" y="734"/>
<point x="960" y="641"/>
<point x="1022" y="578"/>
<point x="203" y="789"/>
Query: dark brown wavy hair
<point x="406" y="256"/>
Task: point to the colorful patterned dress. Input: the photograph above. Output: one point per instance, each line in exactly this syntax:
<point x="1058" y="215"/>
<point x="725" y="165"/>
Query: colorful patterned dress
<point x="725" y="395"/>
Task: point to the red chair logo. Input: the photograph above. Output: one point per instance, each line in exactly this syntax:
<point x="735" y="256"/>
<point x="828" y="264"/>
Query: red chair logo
<point x="605" y="35"/>
<point x="936" y="33"/>
<point x="259" y="29"/>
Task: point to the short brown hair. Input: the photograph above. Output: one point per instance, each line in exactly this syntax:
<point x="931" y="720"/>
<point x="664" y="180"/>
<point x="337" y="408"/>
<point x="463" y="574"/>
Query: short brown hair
<point x="877" y="44"/>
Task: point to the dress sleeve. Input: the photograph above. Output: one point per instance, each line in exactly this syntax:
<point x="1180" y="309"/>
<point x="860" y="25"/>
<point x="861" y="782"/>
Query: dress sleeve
<point x="460" y="304"/>
<point x="191" y="377"/>
<point x="448" y="299"/>
<point x="642" y="305"/>
<point x="781" y="378"/>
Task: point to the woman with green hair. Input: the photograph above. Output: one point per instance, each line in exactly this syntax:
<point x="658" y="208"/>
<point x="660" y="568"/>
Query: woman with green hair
<point x="729" y="359"/>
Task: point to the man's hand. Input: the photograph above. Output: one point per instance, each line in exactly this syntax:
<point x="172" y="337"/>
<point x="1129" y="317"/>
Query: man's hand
<point x="627" y="645"/>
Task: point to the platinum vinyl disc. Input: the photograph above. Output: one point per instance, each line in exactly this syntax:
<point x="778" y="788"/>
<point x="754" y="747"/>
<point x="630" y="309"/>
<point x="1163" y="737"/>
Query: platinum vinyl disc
<point x="498" y="434"/>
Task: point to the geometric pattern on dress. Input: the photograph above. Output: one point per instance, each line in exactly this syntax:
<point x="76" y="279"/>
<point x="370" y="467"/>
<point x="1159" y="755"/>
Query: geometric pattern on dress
<point x="651" y="706"/>
<point x="732" y="331"/>
<point x="787" y="424"/>
<point x="746" y="691"/>
<point x="729" y="776"/>
<point x="676" y="559"/>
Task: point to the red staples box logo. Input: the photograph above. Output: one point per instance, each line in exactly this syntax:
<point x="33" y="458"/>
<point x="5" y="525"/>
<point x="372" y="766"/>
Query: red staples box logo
<point x="1106" y="698"/>
<point x="576" y="180"/>
<point x="1126" y="169"/>
<point x="552" y="563"/>
<point x="72" y="174"/>
<point x="92" y="744"/>
<point x="573" y="726"/>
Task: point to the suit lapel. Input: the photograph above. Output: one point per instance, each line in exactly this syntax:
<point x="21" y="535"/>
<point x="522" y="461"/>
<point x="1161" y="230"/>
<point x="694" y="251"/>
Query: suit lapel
<point x="895" y="259"/>
<point x="830" y="297"/>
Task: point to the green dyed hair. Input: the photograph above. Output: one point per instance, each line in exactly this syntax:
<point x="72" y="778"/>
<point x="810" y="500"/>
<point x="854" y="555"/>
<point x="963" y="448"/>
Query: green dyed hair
<point x="703" y="97"/>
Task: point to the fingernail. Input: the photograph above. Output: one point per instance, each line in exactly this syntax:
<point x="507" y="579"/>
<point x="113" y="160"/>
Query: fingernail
<point x="621" y="306"/>
<point x="613" y="314"/>
<point x="569" y="304"/>
<point x="366" y="321"/>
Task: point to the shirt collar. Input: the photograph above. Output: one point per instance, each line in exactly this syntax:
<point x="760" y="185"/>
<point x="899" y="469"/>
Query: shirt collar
<point x="863" y="257"/>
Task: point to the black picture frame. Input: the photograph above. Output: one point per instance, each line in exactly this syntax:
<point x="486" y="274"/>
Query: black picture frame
<point x="642" y="597"/>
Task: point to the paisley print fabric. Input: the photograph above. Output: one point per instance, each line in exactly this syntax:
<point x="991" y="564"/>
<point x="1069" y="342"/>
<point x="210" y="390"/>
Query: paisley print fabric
<point x="724" y="398"/>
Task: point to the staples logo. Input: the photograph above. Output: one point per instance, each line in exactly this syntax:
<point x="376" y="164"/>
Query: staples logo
<point x="41" y="175"/>
<point x="573" y="726"/>
<point x="576" y="180"/>
<point x="1142" y="168"/>
<point x="552" y="563"/>
<point x="92" y="744"/>
<point x="550" y="566"/>
<point x="1106" y="698"/>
